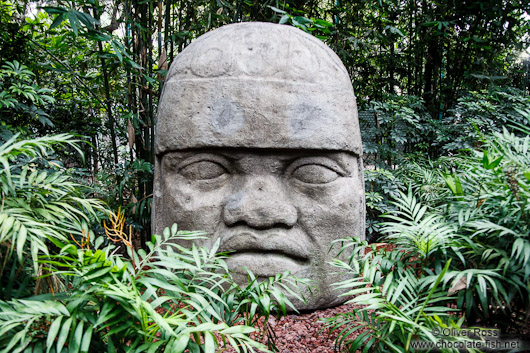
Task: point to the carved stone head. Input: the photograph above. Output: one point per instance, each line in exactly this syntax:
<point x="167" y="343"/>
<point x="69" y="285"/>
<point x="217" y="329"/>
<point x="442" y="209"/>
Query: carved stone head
<point x="258" y="143"/>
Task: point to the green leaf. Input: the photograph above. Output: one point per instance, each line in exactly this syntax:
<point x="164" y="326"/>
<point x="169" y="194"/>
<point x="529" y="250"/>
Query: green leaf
<point x="100" y="37"/>
<point x="21" y="240"/>
<point x="98" y="273"/>
<point x="151" y="80"/>
<point x="78" y="335"/>
<point x="323" y="23"/>
<point x="116" y="51"/>
<point x="58" y="20"/>
<point x="63" y="335"/>
<point x="527" y="175"/>
<point x="486" y="162"/>
<point x="52" y="333"/>
<point x="275" y="9"/>
<point x="181" y="343"/>
<point x="238" y="329"/>
<point x="284" y="19"/>
<point x="7" y="225"/>
<point x="429" y="24"/>
<point x="209" y="342"/>
<point x="74" y="22"/>
<point x="132" y="64"/>
<point x="87" y="20"/>
<point x="54" y="10"/>
<point x="485" y="159"/>
<point x="87" y="337"/>
<point x="454" y="184"/>
<point x="153" y="346"/>
<point x="495" y="163"/>
<point x="302" y="20"/>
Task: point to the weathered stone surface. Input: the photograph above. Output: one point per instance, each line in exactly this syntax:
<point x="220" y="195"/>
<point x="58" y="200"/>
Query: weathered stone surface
<point x="258" y="144"/>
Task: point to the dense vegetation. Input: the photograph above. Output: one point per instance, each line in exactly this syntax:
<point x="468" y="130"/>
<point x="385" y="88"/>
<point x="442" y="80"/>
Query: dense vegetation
<point x="457" y="252"/>
<point x="95" y="68"/>
<point x="65" y="286"/>
<point x="444" y="87"/>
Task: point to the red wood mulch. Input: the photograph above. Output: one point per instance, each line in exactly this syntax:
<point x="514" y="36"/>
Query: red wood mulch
<point x="303" y="333"/>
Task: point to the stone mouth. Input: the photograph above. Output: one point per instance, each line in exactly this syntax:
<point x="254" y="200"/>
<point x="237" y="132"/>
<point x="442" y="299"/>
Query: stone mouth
<point x="282" y="243"/>
<point x="264" y="264"/>
<point x="270" y="254"/>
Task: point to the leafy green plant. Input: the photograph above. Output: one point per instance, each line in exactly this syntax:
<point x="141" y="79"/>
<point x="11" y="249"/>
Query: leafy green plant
<point x="20" y="95"/>
<point x="399" y="285"/>
<point x="490" y="204"/>
<point x="483" y="193"/>
<point x="425" y="177"/>
<point x="39" y="203"/>
<point x="320" y="28"/>
<point x="459" y="257"/>
<point x="169" y="298"/>
<point x="96" y="300"/>
<point x="401" y="125"/>
<point x="381" y="185"/>
<point x="120" y="189"/>
<point x="479" y="113"/>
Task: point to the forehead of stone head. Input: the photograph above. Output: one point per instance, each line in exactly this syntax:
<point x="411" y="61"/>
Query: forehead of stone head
<point x="258" y="85"/>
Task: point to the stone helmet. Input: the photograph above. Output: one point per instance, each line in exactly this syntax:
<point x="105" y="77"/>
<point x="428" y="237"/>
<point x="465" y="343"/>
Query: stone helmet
<point x="258" y="90"/>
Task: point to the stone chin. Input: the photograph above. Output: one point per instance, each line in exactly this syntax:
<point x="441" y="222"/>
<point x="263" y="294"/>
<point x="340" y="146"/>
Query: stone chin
<point x="319" y="295"/>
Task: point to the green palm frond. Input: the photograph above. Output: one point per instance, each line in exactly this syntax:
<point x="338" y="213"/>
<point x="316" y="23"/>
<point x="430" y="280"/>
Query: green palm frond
<point x="396" y="300"/>
<point x="170" y="298"/>
<point x="38" y="204"/>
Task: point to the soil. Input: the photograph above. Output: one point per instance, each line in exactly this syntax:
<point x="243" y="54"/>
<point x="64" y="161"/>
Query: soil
<point x="302" y="332"/>
<point x="305" y="333"/>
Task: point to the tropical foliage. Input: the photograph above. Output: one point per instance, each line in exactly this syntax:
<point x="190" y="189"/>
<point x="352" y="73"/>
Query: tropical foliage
<point x="444" y="86"/>
<point x="460" y="256"/>
<point x="401" y="301"/>
<point x="169" y="298"/>
<point x="407" y="146"/>
<point x="40" y="202"/>
<point x="104" y="62"/>
<point x="66" y="288"/>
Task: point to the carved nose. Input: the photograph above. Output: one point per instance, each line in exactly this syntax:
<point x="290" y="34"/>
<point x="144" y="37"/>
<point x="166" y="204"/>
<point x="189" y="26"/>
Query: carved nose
<point x="260" y="204"/>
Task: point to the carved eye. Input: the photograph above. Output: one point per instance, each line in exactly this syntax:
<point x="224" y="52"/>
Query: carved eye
<point x="203" y="170"/>
<point x="315" y="174"/>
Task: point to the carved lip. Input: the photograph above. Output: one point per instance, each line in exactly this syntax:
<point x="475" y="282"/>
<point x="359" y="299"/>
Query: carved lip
<point x="266" y="242"/>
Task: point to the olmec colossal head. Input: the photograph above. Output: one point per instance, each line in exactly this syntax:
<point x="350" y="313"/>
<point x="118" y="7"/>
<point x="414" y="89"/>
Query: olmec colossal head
<point x="258" y="144"/>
